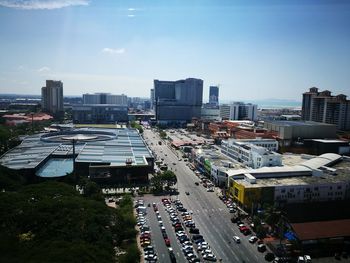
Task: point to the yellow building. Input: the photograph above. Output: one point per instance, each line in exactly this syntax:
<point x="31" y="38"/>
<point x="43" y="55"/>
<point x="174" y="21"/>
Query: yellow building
<point x="248" y="195"/>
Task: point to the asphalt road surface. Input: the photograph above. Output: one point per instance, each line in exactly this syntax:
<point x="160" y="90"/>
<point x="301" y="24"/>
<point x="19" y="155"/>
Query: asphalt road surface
<point x="209" y="212"/>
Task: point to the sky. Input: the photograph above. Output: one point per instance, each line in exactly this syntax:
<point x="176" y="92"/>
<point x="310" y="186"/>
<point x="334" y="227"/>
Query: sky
<point x="252" y="49"/>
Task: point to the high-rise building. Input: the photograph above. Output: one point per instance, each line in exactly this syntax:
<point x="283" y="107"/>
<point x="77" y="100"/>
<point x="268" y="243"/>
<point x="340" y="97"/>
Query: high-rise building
<point x="178" y="101"/>
<point x="323" y="107"/>
<point x="105" y="98"/>
<point x="152" y="99"/>
<point x="210" y="112"/>
<point x="214" y="95"/>
<point x="52" y="97"/>
<point x="101" y="108"/>
<point x="239" y="111"/>
<point x="100" y="113"/>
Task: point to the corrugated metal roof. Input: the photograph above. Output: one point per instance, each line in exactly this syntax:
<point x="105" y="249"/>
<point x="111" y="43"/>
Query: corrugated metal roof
<point x="322" y="160"/>
<point x="323" y="229"/>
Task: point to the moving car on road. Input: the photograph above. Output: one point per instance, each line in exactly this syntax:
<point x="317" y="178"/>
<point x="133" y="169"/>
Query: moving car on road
<point x="237" y="239"/>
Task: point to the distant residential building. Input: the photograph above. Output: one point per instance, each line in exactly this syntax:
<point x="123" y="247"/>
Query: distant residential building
<point x="105" y="98"/>
<point x="239" y="111"/>
<point x="100" y="113"/>
<point x="52" y="97"/>
<point x="214" y="95"/>
<point x="323" y="107"/>
<point x="178" y="101"/>
<point x="253" y="153"/>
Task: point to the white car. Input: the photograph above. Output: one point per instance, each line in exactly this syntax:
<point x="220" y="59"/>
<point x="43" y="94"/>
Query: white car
<point x="202" y="247"/>
<point x="237" y="239"/>
<point x="206" y="252"/>
<point x="307" y="258"/>
<point x="253" y="239"/>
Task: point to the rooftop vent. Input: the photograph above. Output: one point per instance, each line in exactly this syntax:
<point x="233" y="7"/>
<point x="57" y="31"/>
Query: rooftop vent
<point x="128" y="161"/>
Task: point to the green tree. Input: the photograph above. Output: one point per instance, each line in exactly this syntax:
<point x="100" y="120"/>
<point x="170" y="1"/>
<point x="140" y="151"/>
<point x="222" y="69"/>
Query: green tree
<point x="260" y="231"/>
<point x="272" y="216"/>
<point x="168" y="178"/>
<point x="162" y="134"/>
<point x="157" y="184"/>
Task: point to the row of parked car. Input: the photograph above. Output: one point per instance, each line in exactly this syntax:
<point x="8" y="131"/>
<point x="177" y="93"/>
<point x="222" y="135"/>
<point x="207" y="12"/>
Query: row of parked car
<point x="145" y="234"/>
<point x="193" y="244"/>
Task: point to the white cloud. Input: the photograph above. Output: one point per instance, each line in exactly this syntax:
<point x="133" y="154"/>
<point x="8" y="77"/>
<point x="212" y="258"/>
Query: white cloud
<point x="131" y="15"/>
<point x="113" y="51"/>
<point x="41" y="4"/>
<point x="131" y="9"/>
<point x="44" y="69"/>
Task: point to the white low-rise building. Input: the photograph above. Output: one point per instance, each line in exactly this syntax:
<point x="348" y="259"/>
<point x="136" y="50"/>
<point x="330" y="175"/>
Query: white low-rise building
<point x="253" y="153"/>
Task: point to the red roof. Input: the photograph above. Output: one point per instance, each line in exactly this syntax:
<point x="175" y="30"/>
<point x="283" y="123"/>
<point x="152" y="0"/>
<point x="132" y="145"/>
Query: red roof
<point x="28" y="117"/>
<point x="323" y="229"/>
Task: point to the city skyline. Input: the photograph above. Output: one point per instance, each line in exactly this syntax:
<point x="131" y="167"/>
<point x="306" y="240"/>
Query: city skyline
<point x="272" y="50"/>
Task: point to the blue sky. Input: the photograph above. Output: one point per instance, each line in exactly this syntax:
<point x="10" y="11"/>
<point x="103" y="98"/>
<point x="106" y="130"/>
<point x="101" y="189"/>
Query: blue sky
<point x="277" y="49"/>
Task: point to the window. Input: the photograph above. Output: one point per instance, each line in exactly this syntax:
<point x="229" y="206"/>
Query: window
<point x="236" y="192"/>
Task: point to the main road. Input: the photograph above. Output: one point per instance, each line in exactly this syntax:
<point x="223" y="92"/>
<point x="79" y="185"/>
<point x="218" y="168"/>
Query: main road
<point x="209" y="213"/>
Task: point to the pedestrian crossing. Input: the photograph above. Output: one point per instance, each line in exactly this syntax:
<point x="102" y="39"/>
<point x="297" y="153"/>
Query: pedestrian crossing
<point x="206" y="211"/>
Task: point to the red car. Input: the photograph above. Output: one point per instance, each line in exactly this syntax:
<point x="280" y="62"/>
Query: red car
<point x="165" y="201"/>
<point x="167" y="242"/>
<point x="145" y="235"/>
<point x="243" y="228"/>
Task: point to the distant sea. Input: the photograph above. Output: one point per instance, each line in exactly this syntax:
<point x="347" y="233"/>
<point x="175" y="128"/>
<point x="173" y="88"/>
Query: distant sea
<point x="272" y="103"/>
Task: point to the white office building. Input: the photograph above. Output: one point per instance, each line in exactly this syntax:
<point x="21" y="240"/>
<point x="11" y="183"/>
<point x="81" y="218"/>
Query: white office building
<point x="239" y="111"/>
<point x="210" y="113"/>
<point x="105" y="98"/>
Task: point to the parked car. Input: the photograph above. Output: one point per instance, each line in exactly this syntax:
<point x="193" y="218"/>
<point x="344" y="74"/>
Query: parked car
<point x="194" y="230"/>
<point x="261" y="248"/>
<point x="253" y="239"/>
<point x="269" y="256"/>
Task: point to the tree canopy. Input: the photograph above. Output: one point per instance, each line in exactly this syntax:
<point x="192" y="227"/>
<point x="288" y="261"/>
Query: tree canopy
<point x="137" y="126"/>
<point x="51" y="222"/>
<point x="165" y="180"/>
